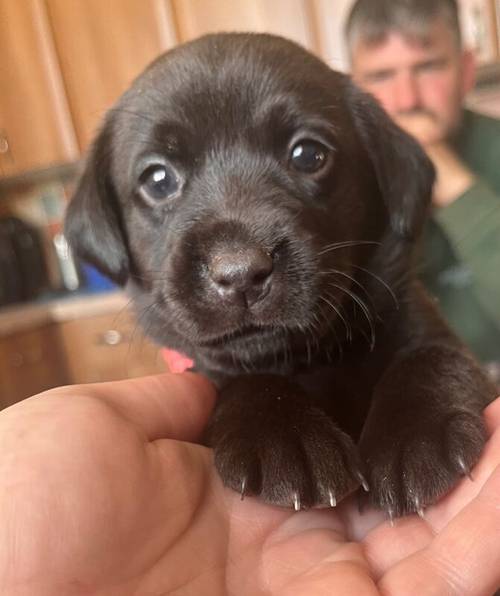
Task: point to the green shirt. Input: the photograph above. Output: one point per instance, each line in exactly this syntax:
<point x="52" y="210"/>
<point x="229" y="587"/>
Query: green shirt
<point x="461" y="264"/>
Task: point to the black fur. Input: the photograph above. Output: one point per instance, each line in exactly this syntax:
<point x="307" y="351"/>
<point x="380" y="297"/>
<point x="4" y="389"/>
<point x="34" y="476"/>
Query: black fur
<point x="293" y="291"/>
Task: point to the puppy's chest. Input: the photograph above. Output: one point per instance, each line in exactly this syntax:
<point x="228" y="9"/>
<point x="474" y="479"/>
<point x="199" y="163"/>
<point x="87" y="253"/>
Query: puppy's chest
<point x="343" y="391"/>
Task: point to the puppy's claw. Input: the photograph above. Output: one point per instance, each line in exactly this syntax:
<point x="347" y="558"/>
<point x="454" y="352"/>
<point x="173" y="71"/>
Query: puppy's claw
<point x="243" y="488"/>
<point x="296" y="502"/>
<point x="390" y="513"/>
<point x="464" y="469"/>
<point x="363" y="482"/>
<point x="419" y="508"/>
<point x="333" y="500"/>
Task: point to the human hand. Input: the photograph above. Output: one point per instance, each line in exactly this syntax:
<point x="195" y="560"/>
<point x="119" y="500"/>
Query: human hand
<point x="453" y="177"/>
<point x="421" y="125"/>
<point x="101" y="493"/>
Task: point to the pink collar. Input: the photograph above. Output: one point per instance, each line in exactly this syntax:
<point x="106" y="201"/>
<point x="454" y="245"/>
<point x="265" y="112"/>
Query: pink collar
<point x="176" y="361"/>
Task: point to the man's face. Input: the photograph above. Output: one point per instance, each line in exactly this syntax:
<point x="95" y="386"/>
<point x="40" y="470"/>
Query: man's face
<point x="420" y="84"/>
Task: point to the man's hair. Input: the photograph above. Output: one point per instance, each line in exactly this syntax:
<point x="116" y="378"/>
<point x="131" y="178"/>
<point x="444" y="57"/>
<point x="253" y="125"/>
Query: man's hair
<point x="370" y="21"/>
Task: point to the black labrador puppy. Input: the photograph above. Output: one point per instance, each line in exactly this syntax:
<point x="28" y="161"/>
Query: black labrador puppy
<point x="263" y="214"/>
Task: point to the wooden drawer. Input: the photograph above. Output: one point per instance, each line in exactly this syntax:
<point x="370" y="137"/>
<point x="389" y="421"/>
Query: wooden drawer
<point x="106" y="348"/>
<point x="30" y="362"/>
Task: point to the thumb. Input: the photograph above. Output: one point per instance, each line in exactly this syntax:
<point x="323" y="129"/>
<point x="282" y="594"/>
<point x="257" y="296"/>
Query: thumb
<point x="173" y="406"/>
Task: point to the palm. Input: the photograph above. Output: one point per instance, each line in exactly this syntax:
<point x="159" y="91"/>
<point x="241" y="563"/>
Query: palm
<point x="98" y="503"/>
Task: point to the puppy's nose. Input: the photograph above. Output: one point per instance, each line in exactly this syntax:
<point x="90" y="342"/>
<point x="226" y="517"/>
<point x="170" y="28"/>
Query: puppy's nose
<point x="242" y="276"/>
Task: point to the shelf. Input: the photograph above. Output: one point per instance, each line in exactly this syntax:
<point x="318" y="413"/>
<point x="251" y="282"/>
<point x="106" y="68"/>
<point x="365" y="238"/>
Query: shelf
<point x="22" y="317"/>
<point x="62" y="172"/>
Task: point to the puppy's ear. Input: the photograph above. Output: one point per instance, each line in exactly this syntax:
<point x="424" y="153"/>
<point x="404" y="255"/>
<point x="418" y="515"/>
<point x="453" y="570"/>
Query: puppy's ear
<point x="93" y="224"/>
<point x="404" y="173"/>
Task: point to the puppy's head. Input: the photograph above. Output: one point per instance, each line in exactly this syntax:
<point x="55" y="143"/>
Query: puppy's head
<point x="240" y="188"/>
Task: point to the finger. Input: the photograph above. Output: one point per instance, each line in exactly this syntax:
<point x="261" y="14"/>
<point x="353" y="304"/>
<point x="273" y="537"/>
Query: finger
<point x="386" y="545"/>
<point x="308" y="554"/>
<point x="439" y="515"/>
<point x="492" y="416"/>
<point x="174" y="406"/>
<point x="463" y="559"/>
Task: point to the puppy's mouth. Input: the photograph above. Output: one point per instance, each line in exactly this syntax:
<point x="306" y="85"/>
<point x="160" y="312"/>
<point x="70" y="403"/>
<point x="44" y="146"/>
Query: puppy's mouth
<point x="247" y="332"/>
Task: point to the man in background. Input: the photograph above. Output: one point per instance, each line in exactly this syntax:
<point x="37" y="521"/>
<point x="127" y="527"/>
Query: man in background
<point x="409" y="55"/>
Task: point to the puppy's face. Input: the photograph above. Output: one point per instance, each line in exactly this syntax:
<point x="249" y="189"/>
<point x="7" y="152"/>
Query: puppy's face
<point x="239" y="188"/>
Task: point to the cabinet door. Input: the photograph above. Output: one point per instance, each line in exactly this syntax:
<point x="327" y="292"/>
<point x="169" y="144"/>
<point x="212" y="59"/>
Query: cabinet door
<point x="30" y="362"/>
<point x="35" y="124"/>
<point x="102" y="46"/>
<point x="289" y="18"/>
<point x="108" y="348"/>
<point x="330" y="17"/>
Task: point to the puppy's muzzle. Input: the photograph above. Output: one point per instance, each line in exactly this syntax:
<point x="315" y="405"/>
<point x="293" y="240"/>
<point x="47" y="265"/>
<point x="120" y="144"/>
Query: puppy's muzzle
<point x="241" y="277"/>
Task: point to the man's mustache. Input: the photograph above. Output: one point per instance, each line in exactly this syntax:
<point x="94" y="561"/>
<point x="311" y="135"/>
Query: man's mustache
<point x="417" y="112"/>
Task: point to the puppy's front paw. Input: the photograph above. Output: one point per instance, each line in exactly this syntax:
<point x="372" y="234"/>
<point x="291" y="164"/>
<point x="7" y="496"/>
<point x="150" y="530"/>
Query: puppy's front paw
<point x="284" y="450"/>
<point x="413" y="467"/>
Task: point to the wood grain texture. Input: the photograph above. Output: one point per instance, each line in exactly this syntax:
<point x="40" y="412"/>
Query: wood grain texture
<point x="108" y="348"/>
<point x="34" y="115"/>
<point x="102" y="46"/>
<point x="30" y="362"/>
<point x="290" y="18"/>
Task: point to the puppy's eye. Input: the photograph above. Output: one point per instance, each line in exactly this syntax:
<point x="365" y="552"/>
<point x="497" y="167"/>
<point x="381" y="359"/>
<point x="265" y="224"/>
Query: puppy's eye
<point x="308" y="156"/>
<point x="159" y="182"/>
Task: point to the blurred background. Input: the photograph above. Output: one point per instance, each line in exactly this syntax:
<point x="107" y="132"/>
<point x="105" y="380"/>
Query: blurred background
<point x="62" y="65"/>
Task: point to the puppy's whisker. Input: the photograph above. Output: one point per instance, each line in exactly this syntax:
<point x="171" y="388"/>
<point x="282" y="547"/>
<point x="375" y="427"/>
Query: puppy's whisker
<point x="345" y="244"/>
<point x="355" y="282"/>
<point x="135" y="330"/>
<point x="312" y="343"/>
<point x="148" y="278"/>
<point x="343" y="310"/>
<point x="381" y="281"/>
<point x="339" y="346"/>
<point x="314" y="328"/>
<point x="123" y="311"/>
<point x="339" y="314"/>
<point x="364" y="308"/>
<point x="143" y="313"/>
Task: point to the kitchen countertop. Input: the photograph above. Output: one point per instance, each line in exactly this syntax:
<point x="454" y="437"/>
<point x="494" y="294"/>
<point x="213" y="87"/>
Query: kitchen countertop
<point x="23" y="317"/>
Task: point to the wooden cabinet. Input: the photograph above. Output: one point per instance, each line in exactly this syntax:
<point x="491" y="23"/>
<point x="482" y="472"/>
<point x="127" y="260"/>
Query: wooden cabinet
<point x="290" y="18"/>
<point x="35" y="122"/>
<point x="63" y="63"/>
<point x="30" y="362"/>
<point x="98" y="347"/>
<point x="102" y="46"/>
<point x="329" y="19"/>
<point x="106" y="348"/>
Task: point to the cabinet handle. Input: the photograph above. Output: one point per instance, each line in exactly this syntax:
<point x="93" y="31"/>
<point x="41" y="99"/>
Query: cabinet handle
<point x="4" y="144"/>
<point x="111" y="337"/>
<point x="30" y="357"/>
<point x="16" y="359"/>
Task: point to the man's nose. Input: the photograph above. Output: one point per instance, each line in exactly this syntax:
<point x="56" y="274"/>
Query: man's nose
<point x="406" y="92"/>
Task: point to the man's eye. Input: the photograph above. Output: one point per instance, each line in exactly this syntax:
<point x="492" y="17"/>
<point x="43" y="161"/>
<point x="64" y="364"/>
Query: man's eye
<point x="432" y="65"/>
<point x="380" y="76"/>
<point x="309" y="156"/>
<point x="159" y="182"/>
